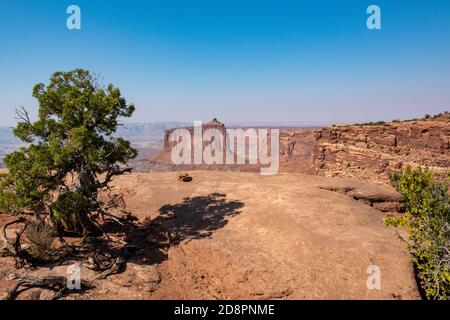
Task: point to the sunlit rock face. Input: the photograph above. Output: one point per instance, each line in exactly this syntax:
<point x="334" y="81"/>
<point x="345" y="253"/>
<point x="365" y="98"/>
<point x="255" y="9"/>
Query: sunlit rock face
<point x="371" y="152"/>
<point x="366" y="152"/>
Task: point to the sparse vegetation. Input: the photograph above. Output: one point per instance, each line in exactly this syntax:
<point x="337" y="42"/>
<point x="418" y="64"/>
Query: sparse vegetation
<point x="427" y="219"/>
<point x="40" y="234"/>
<point x="377" y="123"/>
<point x="426" y="117"/>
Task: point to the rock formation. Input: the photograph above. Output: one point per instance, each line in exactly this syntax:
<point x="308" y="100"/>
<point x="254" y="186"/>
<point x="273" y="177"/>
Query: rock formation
<point x="367" y="152"/>
<point x="213" y="124"/>
<point x="371" y="152"/>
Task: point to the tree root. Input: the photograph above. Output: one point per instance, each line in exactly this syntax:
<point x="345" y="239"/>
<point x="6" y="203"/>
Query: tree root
<point x="54" y="283"/>
<point x="12" y="247"/>
<point x="105" y="265"/>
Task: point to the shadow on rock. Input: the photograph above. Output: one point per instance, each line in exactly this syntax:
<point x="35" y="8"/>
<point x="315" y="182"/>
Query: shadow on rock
<point x="131" y="249"/>
<point x="195" y="218"/>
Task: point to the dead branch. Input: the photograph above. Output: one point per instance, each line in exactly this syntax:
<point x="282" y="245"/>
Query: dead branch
<point x="106" y="265"/>
<point x="111" y="173"/>
<point x="12" y="247"/>
<point x="23" y="115"/>
<point x="115" y="218"/>
<point x="118" y="203"/>
<point x="54" y="283"/>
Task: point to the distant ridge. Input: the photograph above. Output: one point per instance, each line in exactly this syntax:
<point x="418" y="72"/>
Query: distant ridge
<point x="150" y="129"/>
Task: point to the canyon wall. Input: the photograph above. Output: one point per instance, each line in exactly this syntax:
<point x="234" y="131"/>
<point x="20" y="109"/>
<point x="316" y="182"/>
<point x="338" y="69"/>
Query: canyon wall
<point x="365" y="152"/>
<point x="371" y="152"/>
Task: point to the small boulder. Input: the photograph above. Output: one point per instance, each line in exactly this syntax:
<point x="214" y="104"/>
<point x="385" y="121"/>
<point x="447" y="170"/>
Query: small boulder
<point x="184" y="176"/>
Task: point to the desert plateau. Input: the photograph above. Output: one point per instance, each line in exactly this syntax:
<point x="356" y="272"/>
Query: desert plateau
<point x="309" y="232"/>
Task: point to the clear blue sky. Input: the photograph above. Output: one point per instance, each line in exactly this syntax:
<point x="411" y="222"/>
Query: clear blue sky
<point x="296" y="61"/>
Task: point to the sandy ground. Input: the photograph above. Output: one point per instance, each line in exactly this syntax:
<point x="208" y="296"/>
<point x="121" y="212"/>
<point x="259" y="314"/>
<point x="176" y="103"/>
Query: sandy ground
<point x="246" y="236"/>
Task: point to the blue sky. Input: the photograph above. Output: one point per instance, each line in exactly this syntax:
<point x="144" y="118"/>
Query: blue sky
<point x="278" y="61"/>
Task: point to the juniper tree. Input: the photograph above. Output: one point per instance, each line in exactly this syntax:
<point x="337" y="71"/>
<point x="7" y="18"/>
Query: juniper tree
<point x="71" y="153"/>
<point x="427" y="220"/>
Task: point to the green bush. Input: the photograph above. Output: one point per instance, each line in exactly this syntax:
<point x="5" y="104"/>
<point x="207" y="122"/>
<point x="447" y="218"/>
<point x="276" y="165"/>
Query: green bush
<point x="67" y="209"/>
<point x="427" y="219"/>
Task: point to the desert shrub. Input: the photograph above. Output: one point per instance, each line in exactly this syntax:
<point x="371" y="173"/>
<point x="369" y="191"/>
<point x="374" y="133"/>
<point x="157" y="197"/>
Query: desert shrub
<point x="40" y="234"/>
<point x="427" y="220"/>
<point x="377" y="123"/>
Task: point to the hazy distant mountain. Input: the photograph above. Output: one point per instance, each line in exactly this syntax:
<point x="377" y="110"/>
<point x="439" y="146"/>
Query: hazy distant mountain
<point x="8" y="142"/>
<point x="274" y="124"/>
<point x="146" y="137"/>
<point x="7" y="136"/>
<point x="143" y="130"/>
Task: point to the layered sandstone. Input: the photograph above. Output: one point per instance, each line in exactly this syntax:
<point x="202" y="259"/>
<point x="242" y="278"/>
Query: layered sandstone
<point x="372" y="152"/>
<point x="367" y="152"/>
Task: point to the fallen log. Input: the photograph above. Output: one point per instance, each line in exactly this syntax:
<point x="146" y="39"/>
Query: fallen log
<point x="105" y="265"/>
<point x="54" y="283"/>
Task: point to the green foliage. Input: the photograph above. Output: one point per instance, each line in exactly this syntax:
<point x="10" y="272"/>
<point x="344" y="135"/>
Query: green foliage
<point x="377" y="123"/>
<point x="66" y="209"/>
<point x="73" y="135"/>
<point x="427" y="219"/>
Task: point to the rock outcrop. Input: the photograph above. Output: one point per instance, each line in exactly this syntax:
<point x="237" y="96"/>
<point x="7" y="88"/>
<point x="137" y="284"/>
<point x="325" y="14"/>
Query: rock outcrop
<point x="367" y="152"/>
<point x="246" y="236"/>
<point x="213" y="124"/>
<point x="371" y="152"/>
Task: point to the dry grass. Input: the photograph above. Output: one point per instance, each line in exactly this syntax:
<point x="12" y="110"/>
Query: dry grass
<point x="40" y="234"/>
